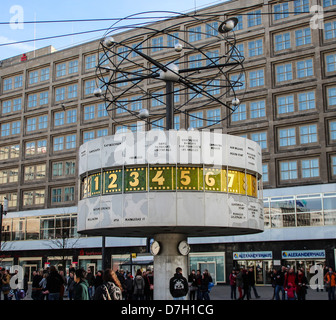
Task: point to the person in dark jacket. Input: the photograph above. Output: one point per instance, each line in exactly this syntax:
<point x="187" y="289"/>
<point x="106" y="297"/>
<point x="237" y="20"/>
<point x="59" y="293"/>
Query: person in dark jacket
<point x="206" y="279"/>
<point x="178" y="285"/>
<point x="36" y="288"/>
<point x="279" y="283"/>
<point x="129" y="287"/>
<point x="193" y="285"/>
<point x="54" y="283"/>
<point x="81" y="286"/>
<point x="245" y="285"/>
<point x="251" y="281"/>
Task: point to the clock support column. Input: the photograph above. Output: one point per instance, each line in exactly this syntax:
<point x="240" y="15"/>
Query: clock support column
<point x="166" y="262"/>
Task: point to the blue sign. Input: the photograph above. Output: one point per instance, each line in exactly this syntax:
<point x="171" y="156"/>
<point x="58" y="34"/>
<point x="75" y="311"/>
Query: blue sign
<point x="303" y="254"/>
<point x="259" y="255"/>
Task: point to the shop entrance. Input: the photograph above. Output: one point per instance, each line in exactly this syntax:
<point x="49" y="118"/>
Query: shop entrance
<point x="262" y="269"/>
<point x="210" y="266"/>
<point x="29" y="269"/>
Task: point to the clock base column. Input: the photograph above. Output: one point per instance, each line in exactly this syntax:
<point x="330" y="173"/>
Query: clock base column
<point x="166" y="262"/>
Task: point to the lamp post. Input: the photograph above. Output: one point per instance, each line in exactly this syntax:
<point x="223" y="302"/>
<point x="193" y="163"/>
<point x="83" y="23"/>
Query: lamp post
<point x="3" y="210"/>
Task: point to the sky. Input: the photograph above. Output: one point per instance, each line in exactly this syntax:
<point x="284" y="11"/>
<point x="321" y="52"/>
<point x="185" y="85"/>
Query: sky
<point x="13" y="12"/>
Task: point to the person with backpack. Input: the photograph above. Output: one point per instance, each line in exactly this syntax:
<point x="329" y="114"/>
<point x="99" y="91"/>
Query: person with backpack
<point x="53" y="285"/>
<point x="178" y="285"/>
<point x="111" y="288"/>
<point x="139" y="286"/>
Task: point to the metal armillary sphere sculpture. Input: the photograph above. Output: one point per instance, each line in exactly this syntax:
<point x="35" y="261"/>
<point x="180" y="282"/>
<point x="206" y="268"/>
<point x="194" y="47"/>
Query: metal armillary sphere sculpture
<point x="194" y="62"/>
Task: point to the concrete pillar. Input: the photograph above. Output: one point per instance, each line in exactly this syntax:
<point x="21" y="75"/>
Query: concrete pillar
<point x="166" y="262"/>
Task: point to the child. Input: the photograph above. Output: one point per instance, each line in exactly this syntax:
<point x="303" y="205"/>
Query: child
<point x="290" y="292"/>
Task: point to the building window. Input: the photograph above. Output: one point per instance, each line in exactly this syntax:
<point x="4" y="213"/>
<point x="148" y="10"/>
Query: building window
<point x="211" y="29"/>
<point x="285" y="104"/>
<point x="255" y="48"/>
<point x="90" y="86"/>
<point x="177" y="122"/>
<point x="213" y="116"/>
<point x="260" y="138"/>
<point x="195" y="61"/>
<point x="157" y="98"/>
<point x="238" y="81"/>
<point x="9" y="152"/>
<point x="284" y="72"/>
<point x="288" y="170"/>
<point x="38" y="99"/>
<point x="9" y="175"/>
<point x="287" y="137"/>
<point x="33" y="197"/>
<point x="306" y="100"/>
<point x="301" y="6"/>
<point x="258" y="109"/>
<point x="281" y="11"/>
<point x="7" y="84"/>
<point x="265" y="177"/>
<point x="239" y="114"/>
<point x="63" y="168"/>
<point x="90" y="62"/>
<point x="89" y="112"/>
<point x="329" y="3"/>
<point x="304" y="68"/>
<point x="308" y="134"/>
<point x="10" y="106"/>
<point x="331" y="96"/>
<point x="330" y="30"/>
<point x="302" y="37"/>
<point x="333" y="165"/>
<point x="282" y="41"/>
<point x="35" y="172"/>
<point x="196" y="119"/>
<point x="256" y="78"/>
<point x="195" y="34"/>
<point x="331" y="62"/>
<point x="157" y="44"/>
<point x="332" y="131"/>
<point x="10" y="128"/>
<point x="239" y="25"/>
<point x="254" y="18"/>
<point x="310" y="168"/>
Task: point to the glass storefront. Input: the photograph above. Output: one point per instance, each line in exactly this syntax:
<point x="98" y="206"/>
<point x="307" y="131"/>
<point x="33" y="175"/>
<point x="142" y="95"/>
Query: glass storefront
<point x="214" y="262"/>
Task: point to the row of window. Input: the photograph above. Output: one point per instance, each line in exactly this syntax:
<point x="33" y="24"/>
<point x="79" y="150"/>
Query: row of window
<point x="38" y="172"/>
<point x="283" y="73"/>
<point x="39" y="227"/>
<point x="288" y="136"/>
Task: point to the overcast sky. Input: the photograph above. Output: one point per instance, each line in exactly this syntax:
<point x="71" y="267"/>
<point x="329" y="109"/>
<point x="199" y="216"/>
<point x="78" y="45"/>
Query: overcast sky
<point x="14" y="11"/>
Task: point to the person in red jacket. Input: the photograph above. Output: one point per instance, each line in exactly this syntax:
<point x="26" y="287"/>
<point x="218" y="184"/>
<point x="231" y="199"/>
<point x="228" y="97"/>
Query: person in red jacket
<point x="290" y="278"/>
<point x="301" y="283"/>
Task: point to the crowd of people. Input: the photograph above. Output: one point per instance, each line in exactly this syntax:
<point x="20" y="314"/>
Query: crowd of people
<point x="287" y="283"/>
<point x="51" y="284"/>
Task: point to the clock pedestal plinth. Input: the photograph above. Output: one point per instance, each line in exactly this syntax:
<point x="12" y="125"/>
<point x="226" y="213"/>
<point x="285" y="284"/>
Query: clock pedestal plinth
<point x="166" y="262"/>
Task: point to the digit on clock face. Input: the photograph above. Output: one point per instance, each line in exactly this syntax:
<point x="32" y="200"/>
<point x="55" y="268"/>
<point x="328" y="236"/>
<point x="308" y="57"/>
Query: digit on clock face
<point x="161" y="178"/>
<point x="187" y="178"/>
<point x="95" y="184"/>
<point x="212" y="179"/>
<point x="135" y="179"/>
<point x="112" y="181"/>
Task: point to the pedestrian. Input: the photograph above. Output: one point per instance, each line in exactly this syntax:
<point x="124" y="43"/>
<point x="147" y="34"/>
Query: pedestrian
<point x="98" y="279"/>
<point x="149" y="285"/>
<point x="90" y="279"/>
<point x="301" y="284"/>
<point x="71" y="284"/>
<point x="129" y="287"/>
<point x="139" y="286"/>
<point x="279" y="284"/>
<point x="6" y="284"/>
<point x="232" y="279"/>
<point x="192" y="283"/>
<point x="198" y="281"/>
<point x="121" y="276"/>
<point x="54" y="283"/>
<point x="178" y="285"/>
<point x="290" y="277"/>
<point x="36" y="288"/>
<point x="81" y="286"/>
<point x="251" y="280"/>
<point x="273" y="275"/>
<point x="245" y="285"/>
<point x="290" y="289"/>
<point x="43" y="285"/>
<point x="206" y="279"/>
<point x="110" y="289"/>
<point x="239" y="283"/>
<point x="330" y="283"/>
